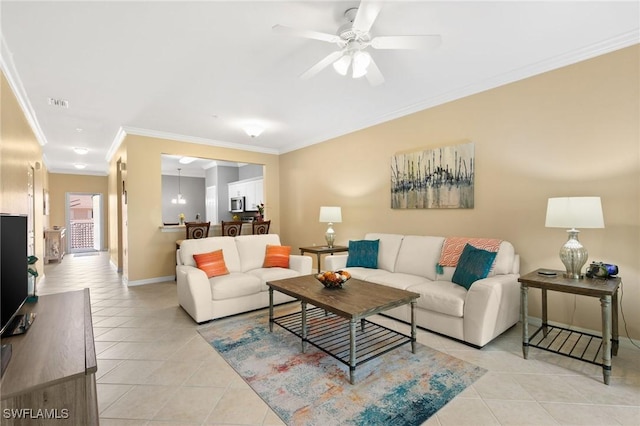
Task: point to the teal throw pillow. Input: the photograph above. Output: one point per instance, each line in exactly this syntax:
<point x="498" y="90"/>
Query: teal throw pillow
<point x="473" y="265"/>
<point x="363" y="253"/>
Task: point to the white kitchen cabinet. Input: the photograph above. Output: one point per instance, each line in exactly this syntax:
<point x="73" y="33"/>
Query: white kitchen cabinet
<point x="251" y="189"/>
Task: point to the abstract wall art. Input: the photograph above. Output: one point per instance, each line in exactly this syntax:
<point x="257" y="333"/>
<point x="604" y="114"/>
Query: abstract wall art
<point x="438" y="178"/>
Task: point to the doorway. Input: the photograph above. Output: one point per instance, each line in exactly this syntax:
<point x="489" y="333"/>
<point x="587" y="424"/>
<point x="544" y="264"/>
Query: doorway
<point x="84" y="222"/>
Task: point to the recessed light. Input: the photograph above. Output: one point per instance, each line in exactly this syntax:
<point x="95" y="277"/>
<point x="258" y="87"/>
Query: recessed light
<point x="80" y="166"/>
<point x="187" y="160"/>
<point x="80" y="150"/>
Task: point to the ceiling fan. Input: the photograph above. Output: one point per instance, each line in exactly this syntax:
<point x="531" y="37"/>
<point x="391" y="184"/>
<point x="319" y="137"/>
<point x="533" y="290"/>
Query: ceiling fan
<point x="353" y="38"/>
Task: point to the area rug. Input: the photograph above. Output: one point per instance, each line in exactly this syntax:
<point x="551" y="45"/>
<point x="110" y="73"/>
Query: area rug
<point x="312" y="388"/>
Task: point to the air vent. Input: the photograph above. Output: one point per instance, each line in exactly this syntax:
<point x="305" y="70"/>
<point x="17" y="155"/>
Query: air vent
<point x="61" y="103"/>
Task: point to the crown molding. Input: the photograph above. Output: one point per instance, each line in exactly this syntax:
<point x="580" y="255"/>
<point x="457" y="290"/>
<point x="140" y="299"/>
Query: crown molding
<point x="126" y="130"/>
<point x="578" y="55"/>
<point x="9" y="69"/>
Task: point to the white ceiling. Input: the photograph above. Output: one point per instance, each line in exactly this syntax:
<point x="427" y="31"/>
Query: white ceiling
<point x="197" y="71"/>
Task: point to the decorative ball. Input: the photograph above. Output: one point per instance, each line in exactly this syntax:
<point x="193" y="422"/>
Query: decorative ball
<point x="333" y="279"/>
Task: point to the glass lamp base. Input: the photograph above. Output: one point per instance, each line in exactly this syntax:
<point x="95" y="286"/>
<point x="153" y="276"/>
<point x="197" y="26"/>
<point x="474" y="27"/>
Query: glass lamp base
<point x="573" y="255"/>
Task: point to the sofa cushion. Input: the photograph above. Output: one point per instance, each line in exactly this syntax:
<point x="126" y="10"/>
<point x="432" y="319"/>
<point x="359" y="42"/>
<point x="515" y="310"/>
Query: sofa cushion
<point x="252" y="248"/>
<point x="365" y="274"/>
<point x="419" y="255"/>
<point x="443" y="297"/>
<point x="504" y="263"/>
<point x="205" y="245"/>
<point x="398" y="280"/>
<point x="235" y="284"/>
<point x="211" y="263"/>
<point x="276" y="256"/>
<point x="363" y="253"/>
<point x="388" y="249"/>
<point x="473" y="265"/>
<point x="271" y="274"/>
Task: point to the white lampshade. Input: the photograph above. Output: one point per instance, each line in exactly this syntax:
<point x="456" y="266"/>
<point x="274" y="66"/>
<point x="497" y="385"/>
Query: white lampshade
<point x="330" y="214"/>
<point x="574" y="212"/>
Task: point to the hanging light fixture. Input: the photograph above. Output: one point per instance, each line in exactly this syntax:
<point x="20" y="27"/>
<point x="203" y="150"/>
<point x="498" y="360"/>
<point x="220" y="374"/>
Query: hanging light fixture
<point x="179" y="200"/>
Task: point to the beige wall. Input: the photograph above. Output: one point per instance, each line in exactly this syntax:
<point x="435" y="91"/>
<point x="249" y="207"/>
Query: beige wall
<point x="60" y="184"/>
<point x="19" y="151"/>
<point x="569" y="132"/>
<point x="151" y="252"/>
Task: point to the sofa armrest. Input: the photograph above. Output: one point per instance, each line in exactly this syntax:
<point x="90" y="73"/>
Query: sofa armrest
<point x="492" y="305"/>
<point x="335" y="262"/>
<point x="299" y="263"/>
<point x="194" y="292"/>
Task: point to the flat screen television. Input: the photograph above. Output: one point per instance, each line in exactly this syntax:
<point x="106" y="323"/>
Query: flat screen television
<point x="14" y="279"/>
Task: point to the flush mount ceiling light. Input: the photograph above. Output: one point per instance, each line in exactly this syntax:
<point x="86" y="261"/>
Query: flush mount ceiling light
<point x="81" y="150"/>
<point x="79" y="166"/>
<point x="253" y="130"/>
<point x="187" y="160"/>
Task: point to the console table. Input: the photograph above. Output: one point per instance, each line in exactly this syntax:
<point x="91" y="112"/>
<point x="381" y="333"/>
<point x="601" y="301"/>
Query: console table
<point x="51" y="374"/>
<point x="320" y="250"/>
<point x="572" y="343"/>
<point x="55" y="244"/>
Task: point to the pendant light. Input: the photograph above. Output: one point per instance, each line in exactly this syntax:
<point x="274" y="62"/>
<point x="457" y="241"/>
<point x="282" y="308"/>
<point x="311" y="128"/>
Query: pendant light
<point x="179" y="200"/>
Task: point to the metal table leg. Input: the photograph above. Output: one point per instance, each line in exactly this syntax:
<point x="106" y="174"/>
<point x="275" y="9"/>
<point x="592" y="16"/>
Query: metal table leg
<point x="614" y="324"/>
<point x="304" y="326"/>
<point x="352" y="351"/>
<point x="270" y="309"/>
<point x="524" y="311"/>
<point x="413" y="326"/>
<point x="605" y="303"/>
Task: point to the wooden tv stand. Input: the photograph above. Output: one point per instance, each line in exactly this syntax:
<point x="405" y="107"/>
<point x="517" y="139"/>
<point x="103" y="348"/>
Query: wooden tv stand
<point x="51" y="375"/>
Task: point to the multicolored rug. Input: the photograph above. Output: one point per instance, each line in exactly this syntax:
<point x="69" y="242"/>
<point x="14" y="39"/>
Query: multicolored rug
<point x="312" y="388"/>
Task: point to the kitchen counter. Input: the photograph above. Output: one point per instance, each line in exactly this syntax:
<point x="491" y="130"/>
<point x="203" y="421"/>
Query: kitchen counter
<point x="214" y="230"/>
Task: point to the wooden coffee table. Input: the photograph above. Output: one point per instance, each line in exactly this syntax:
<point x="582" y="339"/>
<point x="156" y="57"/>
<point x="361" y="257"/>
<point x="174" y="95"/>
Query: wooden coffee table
<point x="324" y="326"/>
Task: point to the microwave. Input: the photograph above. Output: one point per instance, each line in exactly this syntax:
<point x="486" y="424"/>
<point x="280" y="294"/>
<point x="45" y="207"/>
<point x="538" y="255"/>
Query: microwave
<point x="236" y="204"/>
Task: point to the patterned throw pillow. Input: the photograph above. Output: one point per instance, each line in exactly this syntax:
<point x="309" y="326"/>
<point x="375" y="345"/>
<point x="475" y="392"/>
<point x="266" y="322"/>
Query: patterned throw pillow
<point x="276" y="256"/>
<point x="363" y="253"/>
<point x="473" y="265"/>
<point x="453" y="247"/>
<point x="211" y="263"/>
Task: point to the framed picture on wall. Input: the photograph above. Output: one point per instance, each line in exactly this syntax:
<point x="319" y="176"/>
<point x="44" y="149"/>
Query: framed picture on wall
<point x="434" y="178"/>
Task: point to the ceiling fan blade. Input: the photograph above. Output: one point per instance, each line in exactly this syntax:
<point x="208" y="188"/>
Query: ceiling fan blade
<point x="367" y="14"/>
<point x="315" y="35"/>
<point x="373" y="75"/>
<point x="406" y="42"/>
<point x="328" y="60"/>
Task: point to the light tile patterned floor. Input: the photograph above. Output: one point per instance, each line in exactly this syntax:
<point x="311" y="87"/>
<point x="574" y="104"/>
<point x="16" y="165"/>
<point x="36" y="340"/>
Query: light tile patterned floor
<point x="154" y="368"/>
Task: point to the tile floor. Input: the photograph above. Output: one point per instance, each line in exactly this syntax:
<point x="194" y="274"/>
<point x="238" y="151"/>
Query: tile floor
<point x="154" y="368"/>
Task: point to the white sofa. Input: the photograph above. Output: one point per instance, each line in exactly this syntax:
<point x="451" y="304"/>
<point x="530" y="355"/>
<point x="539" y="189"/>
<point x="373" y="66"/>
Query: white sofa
<point x="244" y="288"/>
<point x="474" y="316"/>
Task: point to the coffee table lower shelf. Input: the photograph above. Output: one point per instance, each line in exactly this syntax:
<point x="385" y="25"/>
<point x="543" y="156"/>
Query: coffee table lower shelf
<point x="330" y="333"/>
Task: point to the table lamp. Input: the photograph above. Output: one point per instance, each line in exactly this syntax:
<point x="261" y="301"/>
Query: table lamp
<point x="330" y="215"/>
<point x="574" y="212"/>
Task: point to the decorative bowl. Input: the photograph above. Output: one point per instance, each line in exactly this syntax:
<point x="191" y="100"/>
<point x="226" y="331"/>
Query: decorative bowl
<point x="333" y="279"/>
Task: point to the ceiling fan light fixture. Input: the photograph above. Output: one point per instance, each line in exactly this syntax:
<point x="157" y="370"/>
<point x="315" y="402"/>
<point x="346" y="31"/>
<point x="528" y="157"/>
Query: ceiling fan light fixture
<point x="342" y="65"/>
<point x="361" y="61"/>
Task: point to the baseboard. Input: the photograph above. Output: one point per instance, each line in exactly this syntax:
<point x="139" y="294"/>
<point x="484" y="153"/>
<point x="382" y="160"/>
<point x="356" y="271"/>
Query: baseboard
<point x="148" y="281"/>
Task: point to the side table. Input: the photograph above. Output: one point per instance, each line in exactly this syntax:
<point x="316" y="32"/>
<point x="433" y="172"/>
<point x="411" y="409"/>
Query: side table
<point x="571" y="343"/>
<point x="319" y="250"/>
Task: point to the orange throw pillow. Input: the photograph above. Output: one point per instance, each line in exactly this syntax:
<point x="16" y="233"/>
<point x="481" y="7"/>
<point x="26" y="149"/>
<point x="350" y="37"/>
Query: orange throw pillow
<point x="277" y="256"/>
<point x="211" y="263"/>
